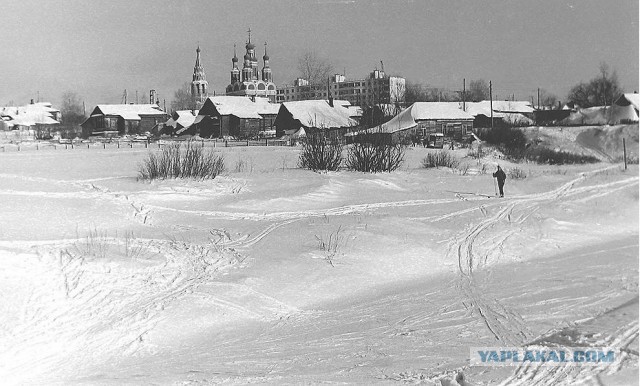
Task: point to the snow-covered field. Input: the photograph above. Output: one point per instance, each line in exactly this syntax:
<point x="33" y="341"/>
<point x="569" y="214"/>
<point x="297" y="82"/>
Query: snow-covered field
<point x="273" y="274"/>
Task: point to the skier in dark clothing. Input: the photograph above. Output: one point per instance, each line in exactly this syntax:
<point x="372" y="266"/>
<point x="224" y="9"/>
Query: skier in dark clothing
<point x="501" y="177"/>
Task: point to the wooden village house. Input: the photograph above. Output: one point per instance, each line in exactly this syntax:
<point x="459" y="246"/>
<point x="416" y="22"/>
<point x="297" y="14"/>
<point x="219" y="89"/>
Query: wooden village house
<point x="314" y="115"/>
<point x="234" y="116"/>
<point x="125" y="119"/>
<point x="422" y="119"/>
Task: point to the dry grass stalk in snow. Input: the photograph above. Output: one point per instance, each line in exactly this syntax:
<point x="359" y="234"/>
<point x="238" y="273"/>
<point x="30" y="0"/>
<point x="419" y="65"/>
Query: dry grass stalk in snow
<point x="332" y="243"/>
<point x="95" y="244"/>
<point x="132" y="248"/>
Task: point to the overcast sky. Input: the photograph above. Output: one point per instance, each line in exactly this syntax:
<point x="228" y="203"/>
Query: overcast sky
<point x="100" y="48"/>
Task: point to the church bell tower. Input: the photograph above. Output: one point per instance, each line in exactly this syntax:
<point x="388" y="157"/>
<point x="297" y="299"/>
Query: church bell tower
<point x="199" y="84"/>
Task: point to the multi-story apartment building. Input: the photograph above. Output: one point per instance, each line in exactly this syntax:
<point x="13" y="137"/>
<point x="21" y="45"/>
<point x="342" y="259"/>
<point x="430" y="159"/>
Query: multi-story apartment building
<point x="378" y="88"/>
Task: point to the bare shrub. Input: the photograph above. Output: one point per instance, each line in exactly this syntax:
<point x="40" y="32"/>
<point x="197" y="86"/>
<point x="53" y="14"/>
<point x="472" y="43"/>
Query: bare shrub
<point x="176" y="161"/>
<point x="544" y="155"/>
<point x="240" y="166"/>
<point x="516" y="173"/>
<point x="632" y="159"/>
<point x="476" y="152"/>
<point x="463" y="169"/>
<point x="285" y="162"/>
<point x="320" y="153"/>
<point x="440" y="158"/>
<point x="373" y="155"/>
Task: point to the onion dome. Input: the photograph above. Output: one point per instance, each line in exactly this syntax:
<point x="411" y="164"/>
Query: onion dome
<point x="235" y="57"/>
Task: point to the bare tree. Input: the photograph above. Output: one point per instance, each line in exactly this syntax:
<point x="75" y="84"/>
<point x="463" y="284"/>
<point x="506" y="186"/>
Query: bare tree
<point x="71" y="109"/>
<point x="547" y="99"/>
<point x="478" y="91"/>
<point x="314" y="68"/>
<point x="606" y="86"/>
<point x="416" y="92"/>
<point x="599" y="91"/>
<point x="182" y="99"/>
<point x="398" y="90"/>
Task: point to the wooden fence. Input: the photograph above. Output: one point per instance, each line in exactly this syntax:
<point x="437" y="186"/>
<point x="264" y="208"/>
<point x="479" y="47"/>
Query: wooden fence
<point x="123" y="144"/>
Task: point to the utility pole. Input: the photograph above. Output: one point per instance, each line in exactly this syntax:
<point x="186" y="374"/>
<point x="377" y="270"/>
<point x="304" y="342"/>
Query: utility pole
<point x="136" y="96"/>
<point x="538" y="98"/>
<point x="624" y="149"/>
<point x="464" y="91"/>
<point x="491" y="102"/>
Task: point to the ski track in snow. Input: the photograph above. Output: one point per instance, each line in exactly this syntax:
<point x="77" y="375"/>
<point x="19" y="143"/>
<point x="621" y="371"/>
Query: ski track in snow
<point x="82" y="305"/>
<point x="505" y="324"/>
<point x="89" y="191"/>
<point x="87" y="295"/>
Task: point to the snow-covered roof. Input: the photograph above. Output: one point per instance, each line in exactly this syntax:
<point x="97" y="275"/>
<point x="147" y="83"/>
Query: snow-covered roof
<point x="185" y="118"/>
<point x="354" y="111"/>
<point x="265" y="107"/>
<point x="318" y="113"/>
<point x="522" y="107"/>
<point x="423" y="111"/>
<point x="629" y="98"/>
<point x="341" y="102"/>
<point x="239" y="106"/>
<point x="29" y="115"/>
<point x="128" y="112"/>
<point x="480" y="108"/>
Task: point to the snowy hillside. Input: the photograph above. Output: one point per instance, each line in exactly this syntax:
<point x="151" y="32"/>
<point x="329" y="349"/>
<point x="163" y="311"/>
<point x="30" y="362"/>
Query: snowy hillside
<point x="273" y="274"/>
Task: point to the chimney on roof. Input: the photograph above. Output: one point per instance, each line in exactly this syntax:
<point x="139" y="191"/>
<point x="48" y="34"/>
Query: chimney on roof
<point x="329" y="93"/>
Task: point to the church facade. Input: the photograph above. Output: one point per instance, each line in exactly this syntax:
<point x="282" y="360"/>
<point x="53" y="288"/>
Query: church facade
<point x="250" y="81"/>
